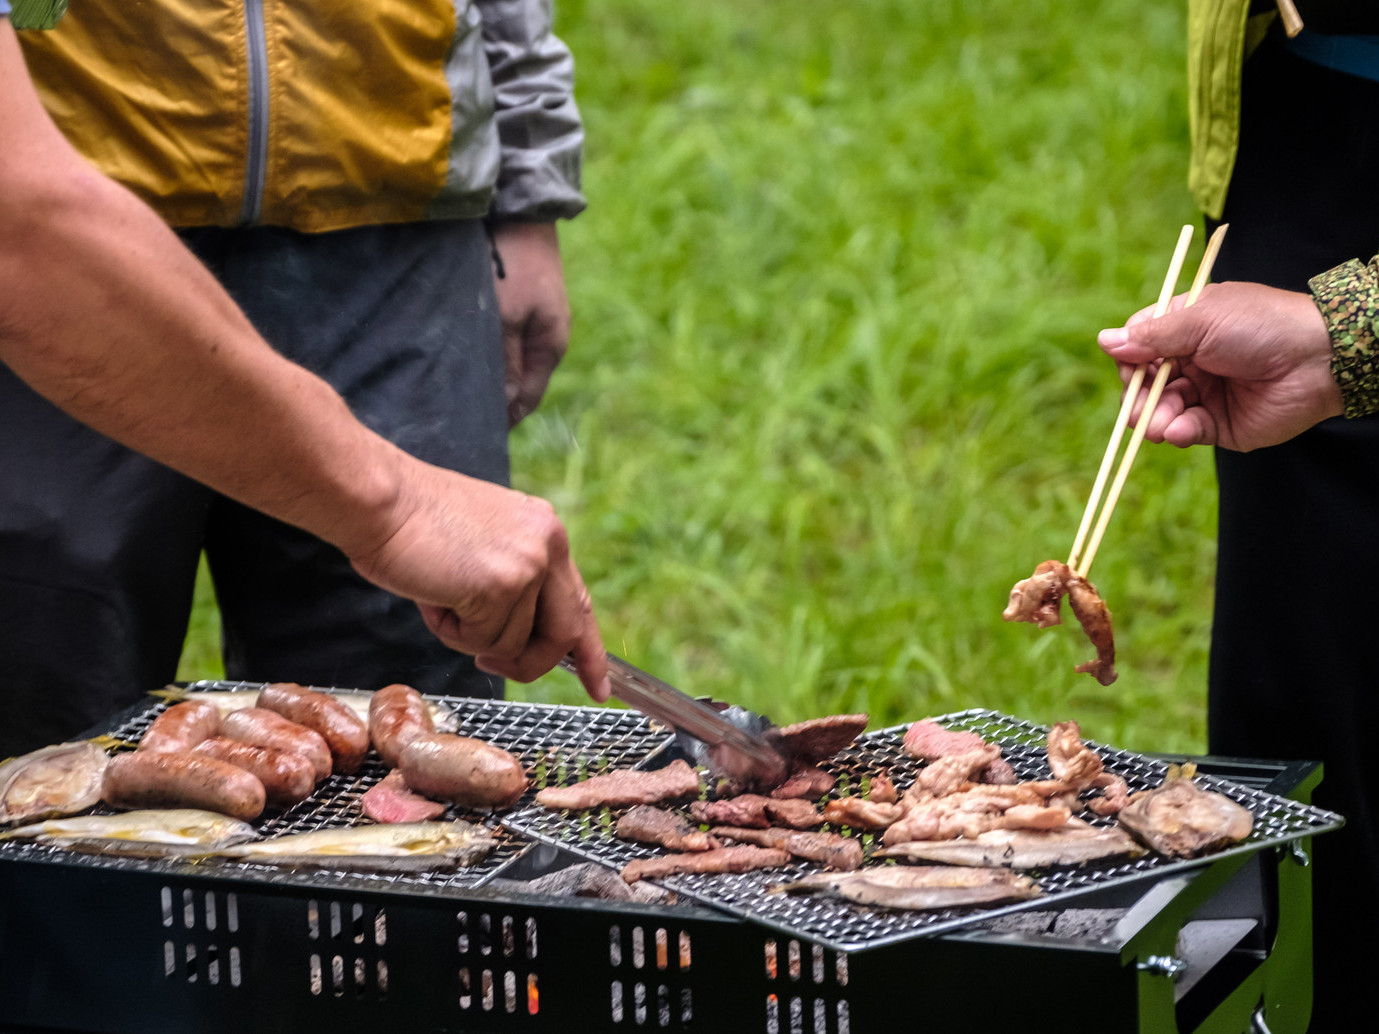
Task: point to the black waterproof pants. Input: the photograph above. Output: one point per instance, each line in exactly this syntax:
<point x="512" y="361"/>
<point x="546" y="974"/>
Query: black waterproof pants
<point x="99" y="546"/>
<point x="1295" y="655"/>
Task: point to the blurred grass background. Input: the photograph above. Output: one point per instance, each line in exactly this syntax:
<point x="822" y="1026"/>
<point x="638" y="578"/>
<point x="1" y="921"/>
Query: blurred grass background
<point x="833" y="385"/>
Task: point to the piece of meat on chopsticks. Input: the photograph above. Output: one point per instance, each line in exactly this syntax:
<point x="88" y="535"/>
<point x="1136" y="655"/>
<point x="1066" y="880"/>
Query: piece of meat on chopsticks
<point x="1036" y="600"/>
<point x="625" y="786"/>
<point x="724" y="859"/>
<point x="651" y="825"/>
<point x="837" y="852"/>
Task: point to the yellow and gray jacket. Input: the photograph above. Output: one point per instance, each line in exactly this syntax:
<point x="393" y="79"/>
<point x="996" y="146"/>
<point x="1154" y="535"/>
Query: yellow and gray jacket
<point x="319" y="114"/>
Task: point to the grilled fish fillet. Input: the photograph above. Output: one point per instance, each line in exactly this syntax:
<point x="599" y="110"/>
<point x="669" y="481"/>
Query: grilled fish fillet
<point x="402" y="847"/>
<point x="1075" y="844"/>
<point x="148" y="833"/>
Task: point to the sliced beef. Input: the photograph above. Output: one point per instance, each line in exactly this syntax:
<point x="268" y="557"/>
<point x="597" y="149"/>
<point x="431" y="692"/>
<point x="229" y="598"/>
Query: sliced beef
<point x="651" y="825"/>
<point x="623" y="787"/>
<point x="724" y="859"/>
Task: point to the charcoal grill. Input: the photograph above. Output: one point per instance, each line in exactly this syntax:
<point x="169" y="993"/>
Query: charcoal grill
<point x="122" y="945"/>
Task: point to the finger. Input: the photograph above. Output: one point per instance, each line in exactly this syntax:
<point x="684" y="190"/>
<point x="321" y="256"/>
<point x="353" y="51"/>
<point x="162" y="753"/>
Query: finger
<point x="1194" y="426"/>
<point x="1176" y="334"/>
<point x="569" y="628"/>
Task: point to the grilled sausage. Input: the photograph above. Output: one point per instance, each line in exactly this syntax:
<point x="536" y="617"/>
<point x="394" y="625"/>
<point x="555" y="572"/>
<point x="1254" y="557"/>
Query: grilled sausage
<point x="265" y="728"/>
<point x="181" y="727"/>
<point x="344" y="731"/>
<point x="397" y="715"/>
<point x="286" y="778"/>
<point x="463" y="770"/>
<point x="181" y="779"/>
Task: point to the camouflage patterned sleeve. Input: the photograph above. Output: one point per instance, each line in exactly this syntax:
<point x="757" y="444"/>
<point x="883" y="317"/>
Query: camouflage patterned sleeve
<point x="1348" y="297"/>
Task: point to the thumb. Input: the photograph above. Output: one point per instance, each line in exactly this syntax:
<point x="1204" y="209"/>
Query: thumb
<point x="1174" y="334"/>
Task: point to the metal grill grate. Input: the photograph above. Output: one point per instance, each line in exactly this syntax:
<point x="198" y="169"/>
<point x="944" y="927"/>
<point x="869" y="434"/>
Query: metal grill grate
<point x="553" y="743"/>
<point x="848" y="927"/>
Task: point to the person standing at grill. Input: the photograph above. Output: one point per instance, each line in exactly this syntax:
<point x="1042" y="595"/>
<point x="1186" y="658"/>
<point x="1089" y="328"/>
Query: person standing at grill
<point x="106" y="317"/>
<point x="1285" y="151"/>
<point x="352" y="174"/>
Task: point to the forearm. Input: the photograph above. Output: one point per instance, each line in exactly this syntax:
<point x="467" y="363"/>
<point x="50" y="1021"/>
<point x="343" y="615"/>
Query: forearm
<point x="106" y="314"/>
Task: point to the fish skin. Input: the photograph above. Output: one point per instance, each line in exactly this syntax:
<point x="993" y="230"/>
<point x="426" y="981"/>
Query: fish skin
<point x="400" y="847"/>
<point x="1023" y="848"/>
<point x="918" y="887"/>
<point x="144" y="833"/>
<point x="60" y="779"/>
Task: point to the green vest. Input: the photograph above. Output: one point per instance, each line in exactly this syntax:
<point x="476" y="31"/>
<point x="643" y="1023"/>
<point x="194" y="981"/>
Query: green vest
<point x="1220" y="33"/>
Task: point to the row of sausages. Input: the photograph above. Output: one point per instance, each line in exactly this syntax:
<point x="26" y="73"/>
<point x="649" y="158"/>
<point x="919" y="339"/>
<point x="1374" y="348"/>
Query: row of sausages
<point x="273" y="755"/>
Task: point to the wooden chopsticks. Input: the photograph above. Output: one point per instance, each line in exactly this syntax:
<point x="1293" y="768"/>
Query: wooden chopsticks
<point x="1081" y="560"/>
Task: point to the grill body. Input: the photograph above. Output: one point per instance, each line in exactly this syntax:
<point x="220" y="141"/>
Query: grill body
<point x="125" y="946"/>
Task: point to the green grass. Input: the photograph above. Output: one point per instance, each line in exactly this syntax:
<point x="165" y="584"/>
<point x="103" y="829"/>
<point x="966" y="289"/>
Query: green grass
<point x="833" y="384"/>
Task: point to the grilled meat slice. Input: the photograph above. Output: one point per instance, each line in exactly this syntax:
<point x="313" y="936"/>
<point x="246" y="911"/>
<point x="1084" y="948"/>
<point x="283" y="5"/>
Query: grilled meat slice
<point x="651" y="825"/>
<point x="795" y="813"/>
<point x="1075" y="843"/>
<point x="835" y="851"/>
<point x="806" y="783"/>
<point x="723" y="859"/>
<point x="948" y="774"/>
<point x="747" y="810"/>
<point x="1036" y="600"/>
<point x="859" y="813"/>
<point x="929" y="741"/>
<point x="623" y="787"/>
<point x="969" y="815"/>
<point x="1181" y="820"/>
<point x="882" y="790"/>
<point x="818" y="739"/>
<point x="918" y="887"/>
<point x="1095" y="619"/>
<point x="392" y="800"/>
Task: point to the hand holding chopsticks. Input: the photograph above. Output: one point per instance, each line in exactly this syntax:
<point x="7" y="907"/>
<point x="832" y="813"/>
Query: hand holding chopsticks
<point x="1081" y="559"/>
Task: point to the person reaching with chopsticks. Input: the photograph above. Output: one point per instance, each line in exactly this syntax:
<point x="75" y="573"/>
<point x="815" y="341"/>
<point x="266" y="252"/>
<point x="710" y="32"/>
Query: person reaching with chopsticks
<point x="1256" y="365"/>
<point x="106" y="315"/>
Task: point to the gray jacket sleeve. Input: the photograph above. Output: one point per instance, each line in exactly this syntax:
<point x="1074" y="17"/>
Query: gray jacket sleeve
<point x="539" y="130"/>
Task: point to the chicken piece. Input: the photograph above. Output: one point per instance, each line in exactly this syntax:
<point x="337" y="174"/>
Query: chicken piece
<point x="948" y="774"/>
<point x="858" y="813"/>
<point x="1072" y="761"/>
<point x="1036" y="600"/>
<point x="1095" y="619"/>
<point x="1181" y="820"/>
<point x="882" y="790"/>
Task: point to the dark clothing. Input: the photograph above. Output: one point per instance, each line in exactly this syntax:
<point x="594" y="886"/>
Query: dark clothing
<point x="99" y="545"/>
<point x="1294" y="673"/>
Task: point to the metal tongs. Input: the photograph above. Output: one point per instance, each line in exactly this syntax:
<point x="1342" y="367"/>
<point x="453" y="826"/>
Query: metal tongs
<point x="732" y="742"/>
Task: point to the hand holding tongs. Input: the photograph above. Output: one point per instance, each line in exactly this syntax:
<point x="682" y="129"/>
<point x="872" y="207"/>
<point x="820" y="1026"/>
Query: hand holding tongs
<point x="742" y="755"/>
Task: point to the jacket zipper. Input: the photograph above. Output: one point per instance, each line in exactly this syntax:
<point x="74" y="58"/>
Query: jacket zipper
<point x="256" y="158"/>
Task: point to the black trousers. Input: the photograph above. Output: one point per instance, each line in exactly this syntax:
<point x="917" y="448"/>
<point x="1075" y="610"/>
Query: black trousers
<point x="1294" y="669"/>
<point x="99" y="546"/>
